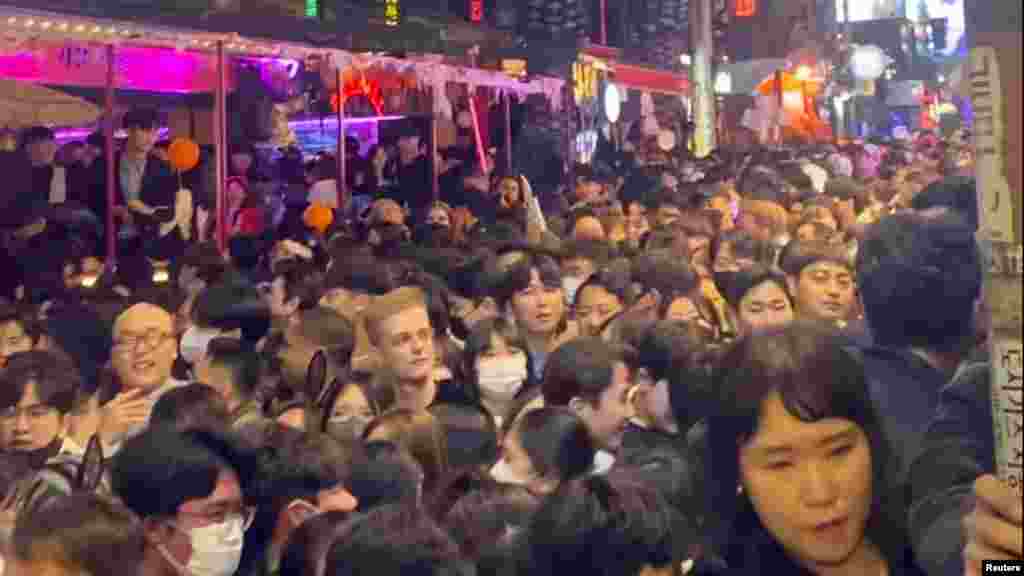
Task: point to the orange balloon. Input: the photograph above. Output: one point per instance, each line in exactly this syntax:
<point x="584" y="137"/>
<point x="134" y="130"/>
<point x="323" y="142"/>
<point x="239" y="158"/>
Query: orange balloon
<point x="183" y="154"/>
<point x="318" y="217"/>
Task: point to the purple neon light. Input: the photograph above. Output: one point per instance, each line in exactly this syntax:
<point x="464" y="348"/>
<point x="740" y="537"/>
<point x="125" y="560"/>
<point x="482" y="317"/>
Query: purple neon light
<point x="82" y="134"/>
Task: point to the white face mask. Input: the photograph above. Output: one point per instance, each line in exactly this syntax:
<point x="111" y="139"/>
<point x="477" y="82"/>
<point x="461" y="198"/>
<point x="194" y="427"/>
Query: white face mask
<point x="349" y="426"/>
<point x="216" y="549"/>
<point x="571" y="285"/>
<point x="502" y="472"/>
<point x="500" y="379"/>
<point x="194" y="342"/>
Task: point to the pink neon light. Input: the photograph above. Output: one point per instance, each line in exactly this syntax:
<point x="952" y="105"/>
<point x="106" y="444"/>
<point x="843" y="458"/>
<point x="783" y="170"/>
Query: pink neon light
<point x="476" y="134"/>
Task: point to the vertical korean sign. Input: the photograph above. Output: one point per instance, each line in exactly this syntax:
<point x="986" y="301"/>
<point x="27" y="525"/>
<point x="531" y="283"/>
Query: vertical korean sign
<point x="999" y="206"/>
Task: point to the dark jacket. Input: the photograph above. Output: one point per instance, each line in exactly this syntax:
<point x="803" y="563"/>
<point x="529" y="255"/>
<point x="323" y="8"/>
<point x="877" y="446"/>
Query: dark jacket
<point x="958" y="447"/>
<point x="661" y="461"/>
<point x="905" y="392"/>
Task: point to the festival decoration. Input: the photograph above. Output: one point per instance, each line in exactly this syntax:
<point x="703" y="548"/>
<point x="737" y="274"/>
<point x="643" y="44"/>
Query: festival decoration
<point x="318" y="217"/>
<point x="183" y="154"/>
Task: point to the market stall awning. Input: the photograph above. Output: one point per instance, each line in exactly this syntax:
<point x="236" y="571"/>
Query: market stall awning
<point x="37" y="48"/>
<point x="649" y="79"/>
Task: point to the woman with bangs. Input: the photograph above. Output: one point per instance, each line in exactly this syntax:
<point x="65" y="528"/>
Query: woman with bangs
<point x="795" y="462"/>
<point x="529" y="292"/>
<point x="496" y="367"/>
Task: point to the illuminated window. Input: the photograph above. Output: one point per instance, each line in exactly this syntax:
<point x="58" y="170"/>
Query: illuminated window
<point x="746" y="8"/>
<point x="392" y="12"/>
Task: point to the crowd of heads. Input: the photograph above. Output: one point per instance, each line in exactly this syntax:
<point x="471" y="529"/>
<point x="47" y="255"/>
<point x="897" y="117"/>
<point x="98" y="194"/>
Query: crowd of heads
<point x="659" y="377"/>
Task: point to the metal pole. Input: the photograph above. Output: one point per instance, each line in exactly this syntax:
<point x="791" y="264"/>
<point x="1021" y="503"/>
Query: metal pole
<point x="508" y="134"/>
<point x="704" y="89"/>
<point x="342" y="167"/>
<point x="995" y="80"/>
<point x="604" y="22"/>
<point x="108" y="137"/>
<point x="221" y="144"/>
<point x="434" y="175"/>
<point x="779" y="102"/>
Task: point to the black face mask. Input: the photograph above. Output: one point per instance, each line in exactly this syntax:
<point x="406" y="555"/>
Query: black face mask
<point x="725" y="279"/>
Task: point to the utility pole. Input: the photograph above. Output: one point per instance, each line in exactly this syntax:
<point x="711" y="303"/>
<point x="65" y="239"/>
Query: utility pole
<point x="995" y="80"/>
<point x="702" y="41"/>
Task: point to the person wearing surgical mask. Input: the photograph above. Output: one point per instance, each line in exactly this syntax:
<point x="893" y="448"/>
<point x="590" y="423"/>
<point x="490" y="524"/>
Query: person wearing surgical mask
<point x="354" y="407"/>
<point x="497" y="365"/>
<point x="306" y="477"/>
<point x="545" y="448"/>
<point x="192" y="492"/>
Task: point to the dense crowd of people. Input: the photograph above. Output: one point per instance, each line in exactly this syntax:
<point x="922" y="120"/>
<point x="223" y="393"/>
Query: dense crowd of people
<point x="767" y="361"/>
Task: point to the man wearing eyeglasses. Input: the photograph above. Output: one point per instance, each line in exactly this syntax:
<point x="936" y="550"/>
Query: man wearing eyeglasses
<point x="191" y="491"/>
<point x="143" y="354"/>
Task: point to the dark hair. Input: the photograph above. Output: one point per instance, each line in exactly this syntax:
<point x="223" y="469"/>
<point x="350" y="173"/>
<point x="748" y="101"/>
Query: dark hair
<point x="478" y="342"/>
<point x="194" y="405"/>
<point x="157" y="471"/>
<point x="55" y="376"/>
<point x="241" y="361"/>
<point x="516" y="277"/>
<point x="303" y="281"/>
<point x="488" y="516"/>
<point x="471" y="434"/>
<point x="763" y="184"/>
<point x="616" y="279"/>
<point x="581" y="368"/>
<point x="395" y="541"/>
<point x="743" y="246"/>
<point x="306" y="551"/>
<point x="388" y="475"/>
<point x="734" y="286"/>
<point x="35" y="134"/>
<point x="798" y="255"/>
<point x="816" y="378"/>
<point x="957" y="193"/>
<point x="421" y="434"/>
<point x="678" y="352"/>
<point x="24" y="318"/>
<point x="141" y="118"/>
<point x="602" y="526"/>
<point x="557" y="443"/>
<point x="919" y="279"/>
<point x="86" y="533"/>
<point x="295" y="467"/>
<point x="326" y="329"/>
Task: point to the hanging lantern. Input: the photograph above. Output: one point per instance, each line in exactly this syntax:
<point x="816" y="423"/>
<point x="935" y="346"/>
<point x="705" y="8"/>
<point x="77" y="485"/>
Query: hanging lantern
<point x="746" y="8"/>
<point x="183" y="154"/>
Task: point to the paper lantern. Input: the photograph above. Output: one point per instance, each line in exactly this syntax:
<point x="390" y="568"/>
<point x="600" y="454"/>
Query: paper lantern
<point x="183" y="154"/>
<point x="318" y="217"/>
